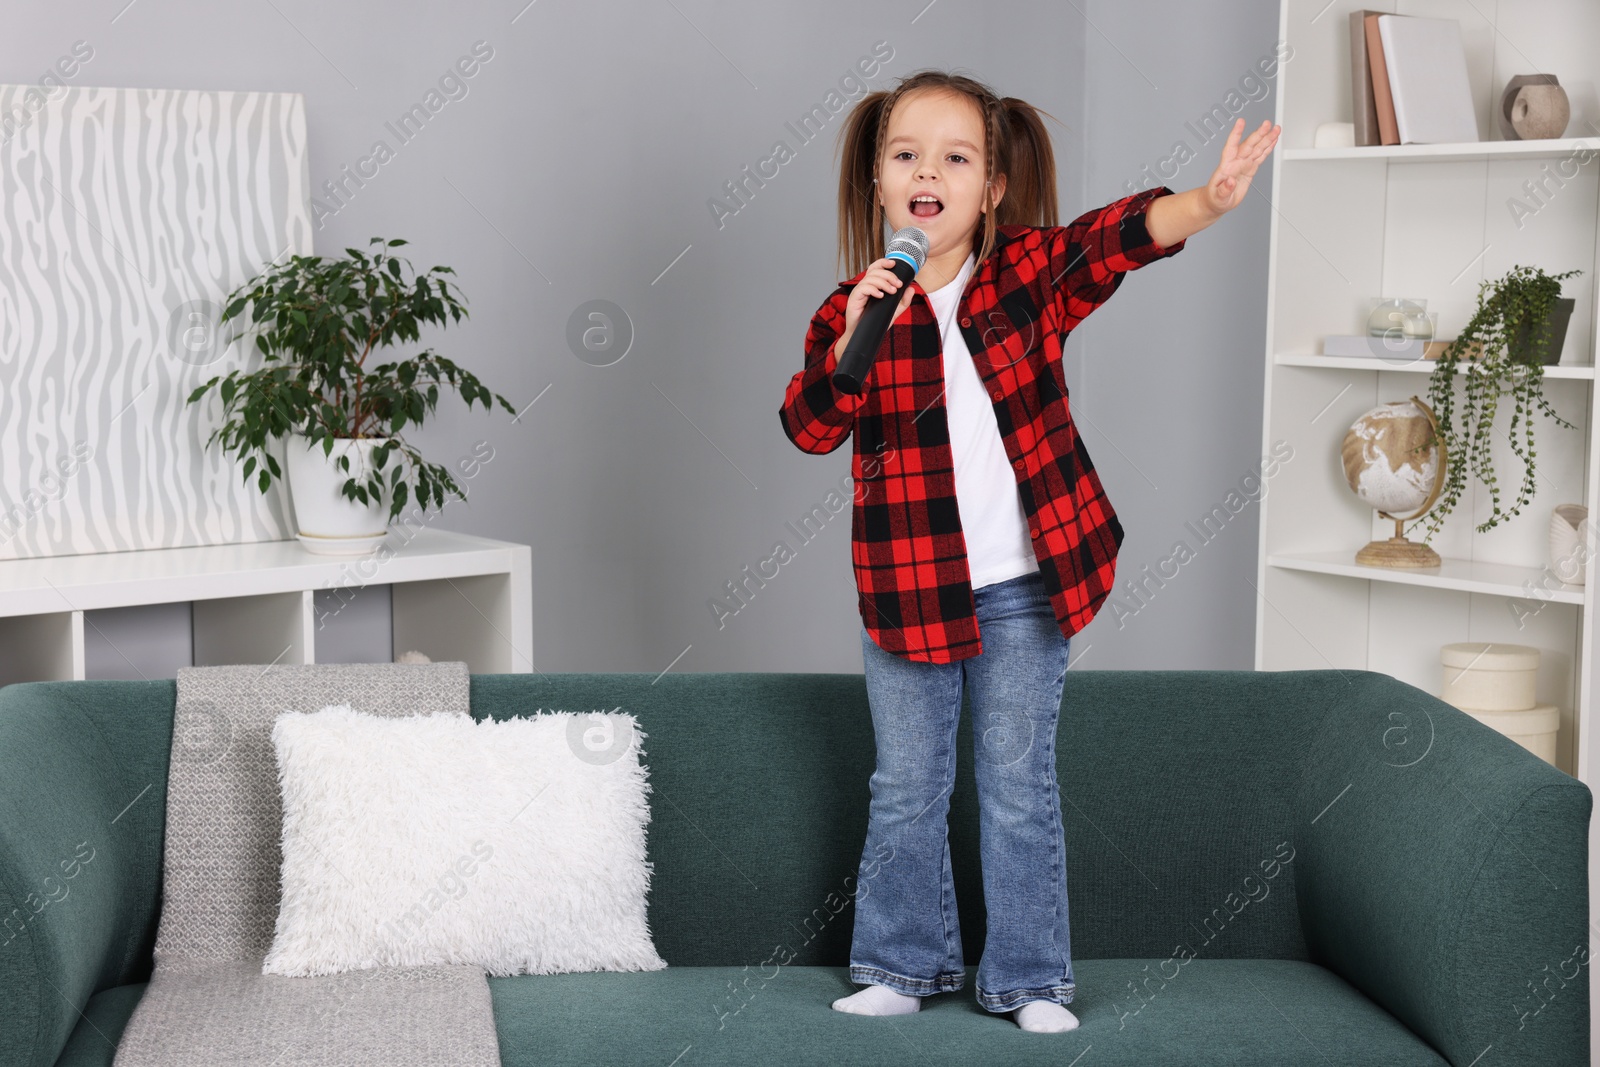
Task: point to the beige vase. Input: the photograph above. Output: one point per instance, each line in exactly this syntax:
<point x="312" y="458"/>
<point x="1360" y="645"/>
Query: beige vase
<point x="1534" y="107"/>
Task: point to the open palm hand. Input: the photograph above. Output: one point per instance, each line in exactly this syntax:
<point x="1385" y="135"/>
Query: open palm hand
<point x="1231" y="180"/>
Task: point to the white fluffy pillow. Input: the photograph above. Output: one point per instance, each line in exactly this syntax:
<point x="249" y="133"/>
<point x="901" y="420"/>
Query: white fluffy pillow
<point x="518" y="846"/>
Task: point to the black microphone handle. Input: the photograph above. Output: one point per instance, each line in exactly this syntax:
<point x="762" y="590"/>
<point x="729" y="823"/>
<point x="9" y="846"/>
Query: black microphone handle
<point x="857" y="358"/>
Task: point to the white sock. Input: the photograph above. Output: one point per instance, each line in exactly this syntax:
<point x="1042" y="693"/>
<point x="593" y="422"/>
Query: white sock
<point x="1045" y="1017"/>
<point x="878" y="1000"/>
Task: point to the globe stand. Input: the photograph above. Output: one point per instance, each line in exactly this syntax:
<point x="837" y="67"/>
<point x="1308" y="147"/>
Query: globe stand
<point x="1397" y="551"/>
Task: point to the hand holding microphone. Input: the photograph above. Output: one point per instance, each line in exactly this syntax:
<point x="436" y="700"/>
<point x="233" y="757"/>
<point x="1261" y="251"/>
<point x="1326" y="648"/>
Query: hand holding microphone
<point x="867" y="315"/>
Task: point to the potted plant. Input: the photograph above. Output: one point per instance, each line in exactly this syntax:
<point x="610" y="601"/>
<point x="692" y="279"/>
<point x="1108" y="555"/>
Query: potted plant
<point x="318" y="321"/>
<point x="1518" y="327"/>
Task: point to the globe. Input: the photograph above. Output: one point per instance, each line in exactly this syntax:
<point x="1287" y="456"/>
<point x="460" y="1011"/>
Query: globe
<point x="1390" y="464"/>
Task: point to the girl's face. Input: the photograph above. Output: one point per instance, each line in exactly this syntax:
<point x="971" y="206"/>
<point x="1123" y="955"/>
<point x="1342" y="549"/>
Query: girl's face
<point x="935" y="147"/>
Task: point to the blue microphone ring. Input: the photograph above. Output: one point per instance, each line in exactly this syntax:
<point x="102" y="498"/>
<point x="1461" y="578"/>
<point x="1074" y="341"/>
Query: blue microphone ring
<point x="904" y="258"/>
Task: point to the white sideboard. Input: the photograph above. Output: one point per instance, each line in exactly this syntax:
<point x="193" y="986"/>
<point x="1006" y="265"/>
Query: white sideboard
<point x="454" y="596"/>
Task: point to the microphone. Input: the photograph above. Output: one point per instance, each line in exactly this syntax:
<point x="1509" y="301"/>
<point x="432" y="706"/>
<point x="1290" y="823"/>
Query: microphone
<point x="908" y="248"/>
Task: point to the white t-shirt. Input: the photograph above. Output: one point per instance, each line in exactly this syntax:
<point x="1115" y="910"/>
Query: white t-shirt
<point x="996" y="528"/>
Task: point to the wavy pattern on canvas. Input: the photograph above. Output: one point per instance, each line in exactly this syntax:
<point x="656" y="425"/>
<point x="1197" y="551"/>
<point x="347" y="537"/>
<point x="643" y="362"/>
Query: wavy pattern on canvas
<point x="128" y="215"/>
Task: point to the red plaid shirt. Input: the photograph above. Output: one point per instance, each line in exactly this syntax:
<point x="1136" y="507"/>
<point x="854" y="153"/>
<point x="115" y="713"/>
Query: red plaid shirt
<point x="910" y="556"/>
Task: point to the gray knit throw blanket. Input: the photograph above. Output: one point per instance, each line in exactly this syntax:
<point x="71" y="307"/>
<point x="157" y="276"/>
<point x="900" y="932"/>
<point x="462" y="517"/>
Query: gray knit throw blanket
<point x="208" y="1002"/>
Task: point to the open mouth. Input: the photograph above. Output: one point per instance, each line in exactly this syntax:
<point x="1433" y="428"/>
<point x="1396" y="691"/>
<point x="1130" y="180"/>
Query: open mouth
<point x="926" y="206"/>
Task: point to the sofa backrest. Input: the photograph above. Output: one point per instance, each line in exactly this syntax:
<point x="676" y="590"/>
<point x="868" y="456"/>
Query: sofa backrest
<point x="1176" y="797"/>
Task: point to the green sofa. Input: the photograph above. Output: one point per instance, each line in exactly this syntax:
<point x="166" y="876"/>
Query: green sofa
<point x="1275" y="868"/>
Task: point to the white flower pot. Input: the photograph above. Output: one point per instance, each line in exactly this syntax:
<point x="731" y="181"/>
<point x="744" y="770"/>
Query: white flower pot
<point x="327" y="522"/>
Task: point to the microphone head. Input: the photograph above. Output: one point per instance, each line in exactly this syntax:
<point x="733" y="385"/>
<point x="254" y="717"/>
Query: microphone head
<point x="908" y="243"/>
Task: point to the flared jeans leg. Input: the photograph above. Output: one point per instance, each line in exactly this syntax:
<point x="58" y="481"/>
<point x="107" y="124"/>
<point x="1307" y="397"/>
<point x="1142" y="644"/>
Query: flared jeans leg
<point x="907" y="933"/>
<point x="1016" y="705"/>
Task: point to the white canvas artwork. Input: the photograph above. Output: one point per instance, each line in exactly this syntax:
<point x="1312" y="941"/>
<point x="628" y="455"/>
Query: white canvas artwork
<point x="126" y="216"/>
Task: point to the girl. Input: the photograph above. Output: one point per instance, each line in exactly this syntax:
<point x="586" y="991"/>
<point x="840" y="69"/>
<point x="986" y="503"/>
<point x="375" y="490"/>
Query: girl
<point x="975" y="503"/>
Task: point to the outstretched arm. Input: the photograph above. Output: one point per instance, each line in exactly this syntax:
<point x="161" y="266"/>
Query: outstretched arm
<point x="1171" y="219"/>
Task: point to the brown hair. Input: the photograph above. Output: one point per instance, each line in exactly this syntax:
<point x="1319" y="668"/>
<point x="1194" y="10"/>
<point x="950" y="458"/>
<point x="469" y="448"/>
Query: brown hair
<point x="1015" y="144"/>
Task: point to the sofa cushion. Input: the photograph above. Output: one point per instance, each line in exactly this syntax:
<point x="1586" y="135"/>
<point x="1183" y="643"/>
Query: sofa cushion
<point x="1213" y="1013"/>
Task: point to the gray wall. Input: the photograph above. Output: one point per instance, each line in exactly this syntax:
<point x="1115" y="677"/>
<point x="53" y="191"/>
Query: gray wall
<point x="578" y="165"/>
<point x="1169" y="373"/>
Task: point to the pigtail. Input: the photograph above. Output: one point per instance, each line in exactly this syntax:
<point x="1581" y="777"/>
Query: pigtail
<point x="861" y="217"/>
<point x="1030" y="168"/>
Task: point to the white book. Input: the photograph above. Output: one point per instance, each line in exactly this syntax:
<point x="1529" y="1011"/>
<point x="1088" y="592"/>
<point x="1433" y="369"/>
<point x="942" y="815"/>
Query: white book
<point x="1428" y="79"/>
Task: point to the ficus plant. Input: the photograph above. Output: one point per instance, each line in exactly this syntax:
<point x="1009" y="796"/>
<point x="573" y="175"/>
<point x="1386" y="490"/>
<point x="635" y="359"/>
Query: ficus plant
<point x="1505" y="343"/>
<point x="318" y="321"/>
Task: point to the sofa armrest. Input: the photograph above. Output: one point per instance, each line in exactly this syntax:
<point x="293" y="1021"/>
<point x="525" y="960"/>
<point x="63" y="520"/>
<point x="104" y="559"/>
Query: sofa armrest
<point x="83" y="773"/>
<point x="1442" y="869"/>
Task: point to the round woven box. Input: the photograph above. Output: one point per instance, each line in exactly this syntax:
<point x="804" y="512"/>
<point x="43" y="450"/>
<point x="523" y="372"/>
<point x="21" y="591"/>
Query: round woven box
<point x="1486" y="676"/>
<point x="1533" y="729"/>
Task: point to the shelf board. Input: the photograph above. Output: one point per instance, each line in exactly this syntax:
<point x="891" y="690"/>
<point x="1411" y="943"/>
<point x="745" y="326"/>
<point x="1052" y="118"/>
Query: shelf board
<point x="1471" y="576"/>
<point x="1419" y="366"/>
<point x="1552" y="148"/>
<point x="203" y="572"/>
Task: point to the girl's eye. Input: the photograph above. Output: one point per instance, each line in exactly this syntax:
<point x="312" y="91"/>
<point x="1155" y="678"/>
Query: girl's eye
<point x="902" y="152"/>
<point x="954" y="156"/>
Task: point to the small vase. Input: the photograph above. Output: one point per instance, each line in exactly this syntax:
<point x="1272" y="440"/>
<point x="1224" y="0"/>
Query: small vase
<point x="326" y="521"/>
<point x="1534" y="107"/>
<point x="1570" y="543"/>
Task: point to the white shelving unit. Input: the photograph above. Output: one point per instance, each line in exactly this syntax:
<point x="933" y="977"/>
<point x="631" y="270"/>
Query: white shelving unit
<point x="1428" y="221"/>
<point x="453" y="596"/>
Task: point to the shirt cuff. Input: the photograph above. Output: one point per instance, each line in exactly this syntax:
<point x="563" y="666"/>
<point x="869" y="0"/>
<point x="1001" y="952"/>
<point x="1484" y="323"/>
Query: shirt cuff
<point x="846" y="402"/>
<point x="1137" y="244"/>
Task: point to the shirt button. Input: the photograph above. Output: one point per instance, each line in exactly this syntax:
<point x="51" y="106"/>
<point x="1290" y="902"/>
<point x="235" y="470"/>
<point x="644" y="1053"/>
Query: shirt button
<point x="1034" y="532"/>
<point x="996" y="395"/>
<point x="966" y="322"/>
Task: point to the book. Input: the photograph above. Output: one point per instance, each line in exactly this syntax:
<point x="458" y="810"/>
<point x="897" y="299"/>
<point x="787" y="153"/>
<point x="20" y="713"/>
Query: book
<point x="1364" y="107"/>
<point x="1428" y="83"/>
<point x="1383" y="102"/>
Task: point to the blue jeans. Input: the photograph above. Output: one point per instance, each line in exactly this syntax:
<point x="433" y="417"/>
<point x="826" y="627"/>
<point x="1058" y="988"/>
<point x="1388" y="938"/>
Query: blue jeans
<point x="907" y="936"/>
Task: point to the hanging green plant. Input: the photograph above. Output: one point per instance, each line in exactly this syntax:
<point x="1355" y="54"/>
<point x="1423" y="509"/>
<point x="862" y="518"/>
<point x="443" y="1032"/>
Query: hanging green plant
<point x="1505" y="343"/>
